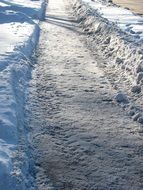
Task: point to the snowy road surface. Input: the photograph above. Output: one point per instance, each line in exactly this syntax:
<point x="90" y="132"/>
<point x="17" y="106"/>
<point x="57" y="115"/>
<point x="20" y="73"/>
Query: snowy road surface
<point x="81" y="139"/>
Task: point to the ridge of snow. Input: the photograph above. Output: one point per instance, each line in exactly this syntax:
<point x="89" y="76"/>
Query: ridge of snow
<point x="19" y="33"/>
<point x="123" y="53"/>
<point x="113" y="41"/>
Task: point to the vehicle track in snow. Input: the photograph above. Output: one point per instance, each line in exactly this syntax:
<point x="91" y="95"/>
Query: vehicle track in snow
<point x="80" y="138"/>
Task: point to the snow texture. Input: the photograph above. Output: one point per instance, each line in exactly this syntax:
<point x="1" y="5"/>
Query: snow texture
<point x="118" y="36"/>
<point x="123" y="18"/>
<point x="115" y="33"/>
<point x="19" y="33"/>
<point x="81" y="138"/>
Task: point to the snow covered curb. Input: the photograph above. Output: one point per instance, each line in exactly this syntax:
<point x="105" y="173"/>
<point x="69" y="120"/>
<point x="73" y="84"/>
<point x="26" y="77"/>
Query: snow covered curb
<point x="15" y="67"/>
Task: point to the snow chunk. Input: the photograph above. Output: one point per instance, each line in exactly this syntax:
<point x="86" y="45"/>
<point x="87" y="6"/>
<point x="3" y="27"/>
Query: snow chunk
<point x="131" y="113"/>
<point x="139" y="77"/>
<point x="140" y="120"/>
<point x="136" y="89"/>
<point x="136" y="116"/>
<point x="121" y="98"/>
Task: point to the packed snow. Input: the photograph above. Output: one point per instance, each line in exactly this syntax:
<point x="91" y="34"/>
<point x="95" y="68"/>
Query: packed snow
<point x="19" y="32"/>
<point x="80" y="137"/>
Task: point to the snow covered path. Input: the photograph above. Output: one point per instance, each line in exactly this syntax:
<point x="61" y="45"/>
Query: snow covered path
<point x="80" y="138"/>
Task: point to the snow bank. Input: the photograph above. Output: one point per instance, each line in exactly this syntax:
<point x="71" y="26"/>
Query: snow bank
<point x="114" y="42"/>
<point x="109" y="29"/>
<point x="19" y="33"/>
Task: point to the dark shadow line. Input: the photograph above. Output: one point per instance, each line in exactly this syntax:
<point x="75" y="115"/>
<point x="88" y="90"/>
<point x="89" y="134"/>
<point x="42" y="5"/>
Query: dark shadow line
<point x="62" y="23"/>
<point x="62" y="19"/>
<point x="72" y="28"/>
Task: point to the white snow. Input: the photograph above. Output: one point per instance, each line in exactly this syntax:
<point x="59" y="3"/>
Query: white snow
<point x="13" y="35"/>
<point x="19" y="32"/>
<point x="125" y="19"/>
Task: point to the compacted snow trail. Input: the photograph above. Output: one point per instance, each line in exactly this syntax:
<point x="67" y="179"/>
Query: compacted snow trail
<point x="80" y="138"/>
